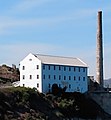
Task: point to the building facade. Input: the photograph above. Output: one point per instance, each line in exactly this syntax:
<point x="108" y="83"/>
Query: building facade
<point x="42" y="71"/>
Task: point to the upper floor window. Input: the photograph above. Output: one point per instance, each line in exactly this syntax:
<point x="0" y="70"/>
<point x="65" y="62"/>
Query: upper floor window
<point x="74" y="69"/>
<point x="30" y="59"/>
<point x="37" y="76"/>
<point x="83" y="78"/>
<point x="69" y="68"/>
<point x="54" y="77"/>
<point x="74" y="78"/>
<point x="79" y="78"/>
<point x="79" y="69"/>
<point x="64" y="77"/>
<point x="37" y="66"/>
<point x="49" y="67"/>
<point x="59" y="77"/>
<point x="64" y="68"/>
<point x="59" y="67"/>
<point x="83" y="69"/>
<point x="43" y="76"/>
<point x="30" y="76"/>
<point x="43" y="67"/>
<point x="49" y="76"/>
<point x="23" y="67"/>
<point x="54" y="67"/>
<point x="69" y="77"/>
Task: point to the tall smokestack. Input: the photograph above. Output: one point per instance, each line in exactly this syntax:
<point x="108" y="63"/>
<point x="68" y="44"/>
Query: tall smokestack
<point x="99" y="55"/>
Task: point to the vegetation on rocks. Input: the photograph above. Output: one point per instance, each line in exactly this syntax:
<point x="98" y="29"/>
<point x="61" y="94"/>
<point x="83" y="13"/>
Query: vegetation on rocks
<point x="22" y="103"/>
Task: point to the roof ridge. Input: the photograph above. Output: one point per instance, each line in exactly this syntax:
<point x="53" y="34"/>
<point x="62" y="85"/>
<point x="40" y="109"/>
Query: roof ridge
<point x="55" y="56"/>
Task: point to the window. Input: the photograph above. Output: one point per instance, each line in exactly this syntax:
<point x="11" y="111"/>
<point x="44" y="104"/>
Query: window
<point x="59" y="85"/>
<point x="30" y="59"/>
<point x="59" y="77"/>
<point x="37" y="76"/>
<point x="30" y="76"/>
<point x="69" y="86"/>
<point x="83" y="69"/>
<point x="43" y="67"/>
<point x="49" y="67"/>
<point x="74" y="78"/>
<point x="83" y="78"/>
<point x="49" y="76"/>
<point x="79" y="69"/>
<point x="54" y="67"/>
<point x="23" y="67"/>
<point x="37" y="66"/>
<point x="69" y="77"/>
<point x="37" y="85"/>
<point x="64" y="77"/>
<point x="64" y="68"/>
<point x="59" y="67"/>
<point x="49" y="85"/>
<point x="23" y="85"/>
<point x="74" y="69"/>
<point x="43" y="76"/>
<point x="79" y="78"/>
<point x="69" y="68"/>
<point x="54" y="77"/>
<point x="23" y="77"/>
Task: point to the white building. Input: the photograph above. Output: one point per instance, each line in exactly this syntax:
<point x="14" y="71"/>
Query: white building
<point x="42" y="71"/>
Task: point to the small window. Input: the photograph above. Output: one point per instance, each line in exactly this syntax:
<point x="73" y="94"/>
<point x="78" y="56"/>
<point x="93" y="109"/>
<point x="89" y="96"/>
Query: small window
<point x="43" y="67"/>
<point x="49" y="67"/>
<point x="23" y="68"/>
<point x="69" y="68"/>
<point x="54" y="77"/>
<point x="37" y="66"/>
<point x="59" y="67"/>
<point x="43" y="76"/>
<point x="79" y="78"/>
<point x="59" y="85"/>
<point x="49" y="76"/>
<point x="30" y="59"/>
<point x="49" y="85"/>
<point x="30" y="76"/>
<point x="64" y="68"/>
<point x="74" y="69"/>
<point x="23" y="85"/>
<point x="37" y="85"/>
<point x="59" y="77"/>
<point x="23" y="77"/>
<point x="83" y="69"/>
<point x="37" y="76"/>
<point x="69" y="77"/>
<point x="83" y="78"/>
<point x="74" y="78"/>
<point x="64" y="77"/>
<point x="54" y="67"/>
<point x="69" y="86"/>
<point x="79" y="69"/>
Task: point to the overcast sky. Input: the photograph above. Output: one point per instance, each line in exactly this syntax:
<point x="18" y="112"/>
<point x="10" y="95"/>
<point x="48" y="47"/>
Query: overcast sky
<point x="54" y="27"/>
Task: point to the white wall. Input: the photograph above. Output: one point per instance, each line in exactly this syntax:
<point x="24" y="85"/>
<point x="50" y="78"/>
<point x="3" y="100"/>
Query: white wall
<point x="30" y="62"/>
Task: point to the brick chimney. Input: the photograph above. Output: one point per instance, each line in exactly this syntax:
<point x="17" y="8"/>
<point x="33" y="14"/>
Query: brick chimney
<point x="99" y="52"/>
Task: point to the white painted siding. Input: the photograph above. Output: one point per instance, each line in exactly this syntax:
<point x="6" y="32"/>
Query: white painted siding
<point x="30" y="63"/>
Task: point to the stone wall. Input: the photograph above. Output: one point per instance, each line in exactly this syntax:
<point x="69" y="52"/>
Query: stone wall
<point x="103" y="99"/>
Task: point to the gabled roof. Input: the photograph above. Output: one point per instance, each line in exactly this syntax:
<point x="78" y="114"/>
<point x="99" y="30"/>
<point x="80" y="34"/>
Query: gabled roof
<point x="58" y="60"/>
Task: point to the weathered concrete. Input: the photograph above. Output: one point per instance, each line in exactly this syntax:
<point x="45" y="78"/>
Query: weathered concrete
<point x="99" y="52"/>
<point x="103" y="99"/>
